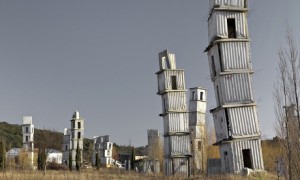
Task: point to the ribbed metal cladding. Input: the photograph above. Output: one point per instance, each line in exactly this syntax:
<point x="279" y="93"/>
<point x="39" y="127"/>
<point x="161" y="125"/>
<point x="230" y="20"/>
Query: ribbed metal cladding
<point x="243" y="121"/>
<point x="176" y="122"/>
<point x="254" y="146"/>
<point x="220" y="125"/>
<point x="165" y="82"/>
<point x="234" y="88"/>
<point x="235" y="55"/>
<point x="234" y="3"/>
<point x="180" y="145"/>
<point x="175" y="101"/>
<point x="217" y="25"/>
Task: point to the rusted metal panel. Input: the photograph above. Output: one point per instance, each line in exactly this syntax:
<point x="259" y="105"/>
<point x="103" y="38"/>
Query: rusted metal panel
<point x="233" y="3"/>
<point x="176" y="122"/>
<point x="217" y="25"/>
<point x="165" y="80"/>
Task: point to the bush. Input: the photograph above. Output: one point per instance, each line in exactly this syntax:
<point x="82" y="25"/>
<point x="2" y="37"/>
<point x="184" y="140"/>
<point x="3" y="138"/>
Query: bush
<point x="57" y="167"/>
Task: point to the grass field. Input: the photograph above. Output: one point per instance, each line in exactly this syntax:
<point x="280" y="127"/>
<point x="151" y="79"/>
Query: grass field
<point x="111" y="175"/>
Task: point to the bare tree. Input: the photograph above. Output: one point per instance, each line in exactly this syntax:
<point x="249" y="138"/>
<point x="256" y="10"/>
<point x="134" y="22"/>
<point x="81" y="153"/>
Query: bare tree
<point x="286" y="103"/>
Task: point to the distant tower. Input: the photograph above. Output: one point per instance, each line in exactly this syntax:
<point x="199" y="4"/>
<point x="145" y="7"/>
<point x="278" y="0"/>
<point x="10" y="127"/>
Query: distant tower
<point x="197" y="107"/>
<point x="235" y="118"/>
<point x="66" y="146"/>
<point x="153" y="144"/>
<point x="28" y="138"/>
<point x="171" y="88"/>
<point x="77" y="134"/>
<point x="104" y="148"/>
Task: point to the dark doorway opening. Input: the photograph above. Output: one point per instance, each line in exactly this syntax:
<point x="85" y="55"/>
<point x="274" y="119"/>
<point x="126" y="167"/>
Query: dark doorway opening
<point x="247" y="158"/>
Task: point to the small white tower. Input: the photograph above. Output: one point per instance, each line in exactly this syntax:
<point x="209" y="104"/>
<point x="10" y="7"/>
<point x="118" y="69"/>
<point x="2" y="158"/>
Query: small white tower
<point x="77" y="134"/>
<point x="197" y="107"/>
<point x="171" y="88"/>
<point x="28" y="135"/>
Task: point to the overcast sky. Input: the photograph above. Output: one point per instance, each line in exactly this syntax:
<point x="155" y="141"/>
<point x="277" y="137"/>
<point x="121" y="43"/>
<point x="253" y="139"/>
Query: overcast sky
<point x="100" y="57"/>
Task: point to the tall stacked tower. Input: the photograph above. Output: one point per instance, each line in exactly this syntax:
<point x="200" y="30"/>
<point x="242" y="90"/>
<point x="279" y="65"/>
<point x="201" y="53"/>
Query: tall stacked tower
<point x="77" y="134"/>
<point x="197" y="108"/>
<point x="235" y="118"/>
<point x="171" y="88"/>
<point x="28" y="137"/>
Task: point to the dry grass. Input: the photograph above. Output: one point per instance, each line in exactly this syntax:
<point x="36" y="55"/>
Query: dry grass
<point x="111" y="175"/>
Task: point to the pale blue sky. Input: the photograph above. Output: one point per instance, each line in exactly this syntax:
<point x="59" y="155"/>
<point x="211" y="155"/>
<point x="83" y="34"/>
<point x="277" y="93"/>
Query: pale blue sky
<point x="100" y="56"/>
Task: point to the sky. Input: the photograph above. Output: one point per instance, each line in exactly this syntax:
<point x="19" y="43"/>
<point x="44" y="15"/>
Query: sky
<point x="100" y="57"/>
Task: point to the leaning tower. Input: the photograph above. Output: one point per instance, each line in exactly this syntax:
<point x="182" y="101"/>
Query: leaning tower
<point x="235" y="117"/>
<point x="171" y="88"/>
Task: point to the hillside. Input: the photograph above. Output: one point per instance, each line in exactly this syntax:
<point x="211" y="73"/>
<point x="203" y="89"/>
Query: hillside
<point x="12" y="135"/>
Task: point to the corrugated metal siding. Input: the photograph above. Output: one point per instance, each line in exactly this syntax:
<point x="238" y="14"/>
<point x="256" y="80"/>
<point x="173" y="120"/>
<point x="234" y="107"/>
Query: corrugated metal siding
<point x="175" y="101"/>
<point x="165" y="83"/>
<point x="220" y="125"/>
<point x="235" y="55"/>
<point x="217" y="25"/>
<point x="181" y="166"/>
<point x="166" y="146"/>
<point x="180" y="145"/>
<point x="255" y="146"/>
<point x="235" y="3"/>
<point x="215" y="53"/>
<point x="243" y="121"/>
<point x="235" y="88"/>
<point x="168" y="166"/>
<point x="176" y="122"/>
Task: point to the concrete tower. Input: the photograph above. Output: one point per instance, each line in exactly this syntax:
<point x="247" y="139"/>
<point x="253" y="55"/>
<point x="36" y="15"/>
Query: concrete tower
<point x="171" y="88"/>
<point x="77" y="134"/>
<point x="235" y="118"/>
<point x="28" y="137"/>
<point x="66" y="146"/>
<point x="197" y="108"/>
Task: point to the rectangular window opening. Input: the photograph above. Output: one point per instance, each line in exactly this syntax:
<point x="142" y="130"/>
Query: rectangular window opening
<point x="78" y="135"/>
<point x="199" y="145"/>
<point x="27" y="129"/>
<point x="231" y="28"/>
<point x="194" y="96"/>
<point x="213" y="66"/>
<point x="78" y="125"/>
<point x="201" y="96"/>
<point x="218" y="96"/>
<point x="220" y="58"/>
<point x="227" y="124"/>
<point x="174" y="82"/>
